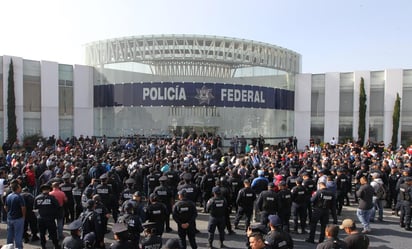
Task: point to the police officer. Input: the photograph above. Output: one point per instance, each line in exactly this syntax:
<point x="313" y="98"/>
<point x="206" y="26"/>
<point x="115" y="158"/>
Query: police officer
<point x="185" y="213"/>
<point x="48" y="210"/>
<point x="342" y="189"/>
<point x="151" y="240"/>
<point x="206" y="185"/>
<point x="67" y="188"/>
<point x="276" y="237"/>
<point x="138" y="205"/>
<point x="101" y="210"/>
<point x="191" y="188"/>
<point x="30" y="218"/>
<point x="156" y="212"/>
<point x="152" y="180"/>
<point x="405" y="199"/>
<point x="244" y="201"/>
<point x="322" y="203"/>
<point x="133" y="222"/>
<point x="104" y="190"/>
<point x="217" y="207"/>
<point x="77" y="193"/>
<point x="121" y="237"/>
<point x="267" y="203"/>
<point x="73" y="241"/>
<point x="284" y="204"/>
<point x="310" y="186"/>
<point x="91" y="222"/>
<point x="227" y="194"/>
<point x="299" y="206"/>
<point x="127" y="193"/>
<point x="164" y="195"/>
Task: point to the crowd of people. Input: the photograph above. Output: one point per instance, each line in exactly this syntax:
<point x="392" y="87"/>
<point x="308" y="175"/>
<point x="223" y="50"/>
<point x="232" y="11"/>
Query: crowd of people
<point x="141" y="184"/>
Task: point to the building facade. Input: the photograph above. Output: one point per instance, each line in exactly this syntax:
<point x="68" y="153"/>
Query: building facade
<point x="183" y="83"/>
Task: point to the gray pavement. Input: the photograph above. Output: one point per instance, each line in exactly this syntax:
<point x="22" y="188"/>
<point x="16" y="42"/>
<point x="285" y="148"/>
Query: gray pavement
<point x="384" y="235"/>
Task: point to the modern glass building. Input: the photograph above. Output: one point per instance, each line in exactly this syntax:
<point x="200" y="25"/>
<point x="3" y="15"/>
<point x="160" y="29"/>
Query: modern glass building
<point x="168" y="84"/>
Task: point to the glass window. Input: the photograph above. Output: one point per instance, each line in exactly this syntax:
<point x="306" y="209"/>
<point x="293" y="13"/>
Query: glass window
<point x="66" y="101"/>
<point x="376" y="95"/>
<point x="31" y="86"/>
<point x="318" y="95"/>
<point x="406" y="109"/>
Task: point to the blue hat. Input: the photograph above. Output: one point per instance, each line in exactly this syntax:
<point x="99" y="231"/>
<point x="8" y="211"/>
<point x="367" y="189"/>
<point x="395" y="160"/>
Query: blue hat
<point x="275" y="220"/>
<point x="182" y="192"/>
<point x="75" y="225"/>
<point x="216" y="190"/>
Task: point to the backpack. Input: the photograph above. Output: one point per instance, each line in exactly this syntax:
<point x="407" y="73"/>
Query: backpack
<point x="381" y="192"/>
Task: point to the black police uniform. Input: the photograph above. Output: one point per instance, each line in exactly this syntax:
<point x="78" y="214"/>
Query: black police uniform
<point x="267" y="204"/>
<point x="67" y="188"/>
<point x="77" y="193"/>
<point x="164" y="195"/>
<point x="102" y="211"/>
<point x="342" y="188"/>
<point x="91" y="222"/>
<point x="122" y="240"/>
<point x="73" y="241"/>
<point x="152" y="180"/>
<point x="279" y="240"/>
<point x="333" y="243"/>
<point x="48" y="208"/>
<point x="310" y="185"/>
<point x="322" y="203"/>
<point x="184" y="211"/>
<point x="284" y="207"/>
<point x="245" y="199"/>
<point x="30" y="216"/>
<point x="206" y="185"/>
<point x="157" y="213"/>
<point x="393" y="192"/>
<point x="134" y="225"/>
<point x="217" y="207"/>
<point x="405" y="205"/>
<point x="299" y="207"/>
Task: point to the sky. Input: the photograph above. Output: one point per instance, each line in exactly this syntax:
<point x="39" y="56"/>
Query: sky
<point x="330" y="35"/>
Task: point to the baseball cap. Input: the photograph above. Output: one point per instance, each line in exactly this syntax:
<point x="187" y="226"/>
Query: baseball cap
<point x="347" y="223"/>
<point x="275" y="220"/>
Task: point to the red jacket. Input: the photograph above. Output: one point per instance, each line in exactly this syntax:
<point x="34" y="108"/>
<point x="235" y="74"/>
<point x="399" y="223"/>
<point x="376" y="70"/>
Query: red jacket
<point x="30" y="178"/>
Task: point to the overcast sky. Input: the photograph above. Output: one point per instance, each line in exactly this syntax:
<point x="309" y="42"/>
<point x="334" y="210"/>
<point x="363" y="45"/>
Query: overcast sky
<point x="331" y="36"/>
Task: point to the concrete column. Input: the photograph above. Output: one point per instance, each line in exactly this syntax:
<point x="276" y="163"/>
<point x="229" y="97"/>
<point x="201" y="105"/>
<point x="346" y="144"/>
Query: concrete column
<point x="303" y="88"/>
<point x="83" y="100"/>
<point x="49" y="98"/>
<point x="332" y="102"/>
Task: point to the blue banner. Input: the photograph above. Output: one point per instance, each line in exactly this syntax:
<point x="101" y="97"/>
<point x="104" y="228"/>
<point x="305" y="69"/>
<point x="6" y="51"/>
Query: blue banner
<point x="192" y="94"/>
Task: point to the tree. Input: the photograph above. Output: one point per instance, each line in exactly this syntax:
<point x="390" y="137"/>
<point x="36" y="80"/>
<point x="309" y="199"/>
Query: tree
<point x="395" y="120"/>
<point x="362" y="111"/>
<point x="11" y="107"/>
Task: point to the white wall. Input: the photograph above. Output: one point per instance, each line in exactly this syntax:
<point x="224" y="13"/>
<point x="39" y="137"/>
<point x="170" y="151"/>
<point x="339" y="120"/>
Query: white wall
<point x="49" y="98"/>
<point x="332" y="101"/>
<point x="83" y="100"/>
<point x="393" y="85"/>
<point x="303" y="88"/>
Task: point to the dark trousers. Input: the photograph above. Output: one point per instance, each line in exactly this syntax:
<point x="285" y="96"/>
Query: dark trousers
<point x="214" y="222"/>
<point x="191" y="235"/>
<point x="69" y="212"/>
<point x="32" y="221"/>
<point x="299" y="213"/>
<point x="49" y="225"/>
<point x="264" y="217"/>
<point x="405" y="215"/>
<point x="78" y="210"/>
<point x="322" y="215"/>
<point x="227" y="219"/>
<point x="340" y="202"/>
<point x="240" y="212"/>
<point x="284" y="217"/>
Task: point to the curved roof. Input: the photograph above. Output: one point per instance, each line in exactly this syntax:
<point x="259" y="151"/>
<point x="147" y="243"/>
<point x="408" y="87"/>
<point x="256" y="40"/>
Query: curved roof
<point x="152" y="49"/>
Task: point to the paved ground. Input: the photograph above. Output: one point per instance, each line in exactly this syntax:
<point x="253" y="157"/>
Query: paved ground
<point x="385" y="234"/>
